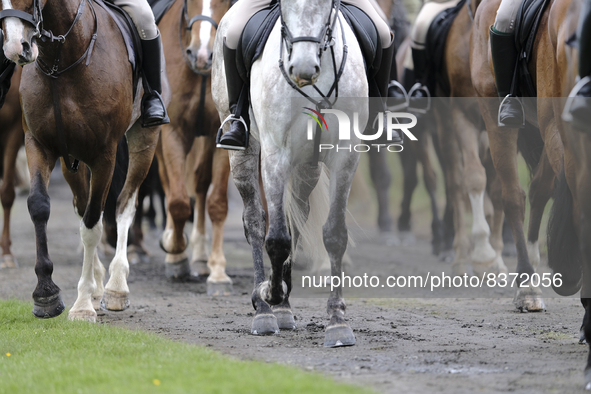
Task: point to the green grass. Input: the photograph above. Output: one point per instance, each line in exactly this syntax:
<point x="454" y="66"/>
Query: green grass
<point x="60" y="356"/>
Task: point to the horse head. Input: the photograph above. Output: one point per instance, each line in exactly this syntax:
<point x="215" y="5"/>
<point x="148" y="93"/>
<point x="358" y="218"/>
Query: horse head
<point x="306" y="29"/>
<point x="202" y="18"/>
<point x="21" y="20"/>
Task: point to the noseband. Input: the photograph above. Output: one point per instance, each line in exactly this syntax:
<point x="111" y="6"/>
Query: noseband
<point x="326" y="34"/>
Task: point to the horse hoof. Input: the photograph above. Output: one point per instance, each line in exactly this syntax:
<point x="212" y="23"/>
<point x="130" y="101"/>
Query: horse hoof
<point x="178" y="271"/>
<point x="339" y="335"/>
<point x="529" y="300"/>
<point x="199" y="268"/>
<point x="285" y="318"/>
<point x="264" y="324"/>
<point x="461" y="269"/>
<point x="138" y="257"/>
<point x="115" y="300"/>
<point x="8" y="261"/>
<point x="219" y="289"/>
<point x="48" y="307"/>
<point x="96" y="303"/>
<point x="83" y="315"/>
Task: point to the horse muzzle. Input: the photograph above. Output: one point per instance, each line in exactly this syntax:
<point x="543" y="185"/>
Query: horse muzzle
<point x="304" y="74"/>
<point x="200" y="60"/>
<point x="21" y="53"/>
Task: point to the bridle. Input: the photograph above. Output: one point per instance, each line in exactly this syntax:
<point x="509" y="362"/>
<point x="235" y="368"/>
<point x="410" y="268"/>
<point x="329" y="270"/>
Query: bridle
<point x="36" y="19"/>
<point x="324" y="40"/>
<point x="189" y="26"/>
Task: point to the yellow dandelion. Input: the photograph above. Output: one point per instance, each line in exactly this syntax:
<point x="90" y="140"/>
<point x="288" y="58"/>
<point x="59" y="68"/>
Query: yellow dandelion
<point x="7" y="354"/>
<point x="156" y="382"/>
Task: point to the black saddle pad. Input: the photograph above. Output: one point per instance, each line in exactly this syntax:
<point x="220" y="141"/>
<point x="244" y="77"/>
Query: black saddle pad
<point x="160" y="7"/>
<point x="259" y="27"/>
<point x="527" y="22"/>
<point x="435" y="48"/>
<point x="130" y="37"/>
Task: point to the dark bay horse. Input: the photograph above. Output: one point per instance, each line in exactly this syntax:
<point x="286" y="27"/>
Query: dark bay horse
<point x="11" y="139"/>
<point x="192" y="112"/>
<point x="78" y="95"/>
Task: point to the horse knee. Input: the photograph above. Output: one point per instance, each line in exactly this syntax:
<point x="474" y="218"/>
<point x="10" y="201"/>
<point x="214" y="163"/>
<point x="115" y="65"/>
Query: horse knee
<point x="278" y="246"/>
<point x="39" y="206"/>
<point x="335" y="239"/>
<point x="180" y="209"/>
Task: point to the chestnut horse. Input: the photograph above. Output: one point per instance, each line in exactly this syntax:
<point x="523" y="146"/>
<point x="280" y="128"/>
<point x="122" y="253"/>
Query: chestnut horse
<point x="188" y="52"/>
<point x="566" y="149"/>
<point x="84" y="99"/>
<point x="11" y="139"/>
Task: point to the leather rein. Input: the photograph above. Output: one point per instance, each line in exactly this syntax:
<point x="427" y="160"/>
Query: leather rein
<point x="53" y="72"/>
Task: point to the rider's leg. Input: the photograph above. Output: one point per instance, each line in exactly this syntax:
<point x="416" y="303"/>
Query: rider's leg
<point x="504" y="55"/>
<point x="153" y="109"/>
<point x="236" y="137"/>
<point x="6" y="70"/>
<point x="581" y="105"/>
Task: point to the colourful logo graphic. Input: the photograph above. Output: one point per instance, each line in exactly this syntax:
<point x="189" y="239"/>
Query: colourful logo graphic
<point x="315" y="118"/>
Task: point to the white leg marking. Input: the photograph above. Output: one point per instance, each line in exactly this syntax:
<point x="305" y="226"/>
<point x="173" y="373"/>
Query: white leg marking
<point x="483" y="252"/>
<point x="533" y="252"/>
<point x="119" y="268"/>
<point x="198" y="242"/>
<point x="87" y="285"/>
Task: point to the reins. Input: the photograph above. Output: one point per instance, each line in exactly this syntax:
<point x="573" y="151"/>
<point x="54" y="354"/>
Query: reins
<point x="53" y="72"/>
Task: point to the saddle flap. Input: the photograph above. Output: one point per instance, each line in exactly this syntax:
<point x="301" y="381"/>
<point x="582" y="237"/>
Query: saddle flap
<point x="435" y="48"/>
<point x="254" y="37"/>
<point x="160" y="7"/>
<point x="130" y="37"/>
<point x="367" y="36"/>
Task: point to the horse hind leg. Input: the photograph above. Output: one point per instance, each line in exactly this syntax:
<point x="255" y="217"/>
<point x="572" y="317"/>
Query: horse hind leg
<point x="46" y="296"/>
<point x="7" y="192"/>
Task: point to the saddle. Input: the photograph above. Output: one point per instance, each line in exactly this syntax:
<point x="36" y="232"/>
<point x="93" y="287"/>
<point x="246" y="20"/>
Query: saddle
<point x="527" y="22"/>
<point x="257" y="30"/>
<point x="436" y="39"/>
<point x="130" y="36"/>
<point x="160" y="7"/>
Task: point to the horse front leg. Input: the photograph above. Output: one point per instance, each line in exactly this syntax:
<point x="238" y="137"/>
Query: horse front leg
<point x="142" y="144"/>
<point x="381" y="179"/>
<point x="218" y="282"/>
<point x="46" y="296"/>
<point x="335" y="238"/>
<point x="245" y="172"/>
<point x="171" y="160"/>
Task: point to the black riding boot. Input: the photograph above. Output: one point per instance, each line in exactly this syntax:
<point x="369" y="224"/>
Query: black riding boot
<point x="6" y="70"/>
<point x="419" y="95"/>
<point x="236" y="138"/>
<point x="504" y="55"/>
<point x="378" y="87"/>
<point x="153" y="108"/>
<point x="580" y="108"/>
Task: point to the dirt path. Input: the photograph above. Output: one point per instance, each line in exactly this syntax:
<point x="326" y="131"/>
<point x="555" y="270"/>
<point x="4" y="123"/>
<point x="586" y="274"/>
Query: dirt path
<point x="411" y="345"/>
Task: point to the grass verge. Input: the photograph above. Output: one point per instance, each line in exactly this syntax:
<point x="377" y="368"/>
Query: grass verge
<point x="60" y="356"/>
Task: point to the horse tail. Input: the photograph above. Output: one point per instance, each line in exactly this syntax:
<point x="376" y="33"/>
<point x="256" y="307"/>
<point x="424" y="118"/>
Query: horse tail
<point x="117" y="182"/>
<point x="310" y="241"/>
<point x="564" y="254"/>
<point x="531" y="146"/>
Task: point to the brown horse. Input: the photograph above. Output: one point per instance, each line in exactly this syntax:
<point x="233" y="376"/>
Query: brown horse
<point x="462" y="143"/>
<point x="192" y="112"/>
<point x="11" y="139"/>
<point x="79" y="92"/>
<point x="549" y="74"/>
